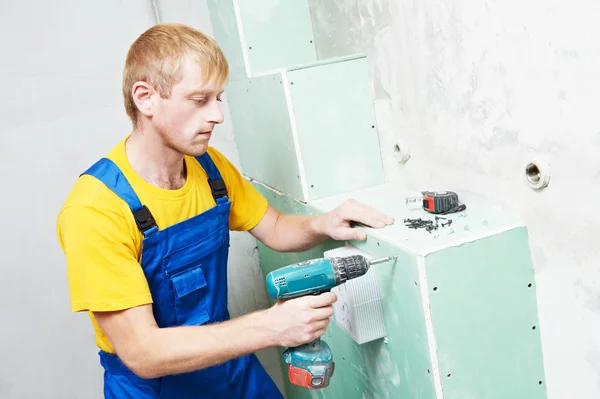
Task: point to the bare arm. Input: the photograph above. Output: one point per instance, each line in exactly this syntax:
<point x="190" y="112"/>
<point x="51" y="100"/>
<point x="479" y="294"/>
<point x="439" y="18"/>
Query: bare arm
<point x="150" y="351"/>
<point x="286" y="233"/>
<point x="295" y="233"/>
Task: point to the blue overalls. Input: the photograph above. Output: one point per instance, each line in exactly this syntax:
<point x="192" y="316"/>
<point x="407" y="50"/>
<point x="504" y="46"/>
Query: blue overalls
<point x="186" y="268"/>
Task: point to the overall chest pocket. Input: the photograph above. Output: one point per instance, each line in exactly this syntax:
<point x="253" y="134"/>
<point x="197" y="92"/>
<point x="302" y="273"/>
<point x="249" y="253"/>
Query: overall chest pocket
<point x="190" y="291"/>
<point x="192" y="269"/>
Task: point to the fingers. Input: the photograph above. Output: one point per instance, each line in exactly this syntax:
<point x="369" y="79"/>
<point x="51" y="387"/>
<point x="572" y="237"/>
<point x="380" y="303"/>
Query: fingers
<point x="316" y="331"/>
<point x="319" y="333"/>
<point x="301" y="320"/>
<point x="347" y="233"/>
<point x="350" y="210"/>
<point x="362" y="213"/>
<point x="322" y="313"/>
<point x="321" y="326"/>
<point x="324" y="299"/>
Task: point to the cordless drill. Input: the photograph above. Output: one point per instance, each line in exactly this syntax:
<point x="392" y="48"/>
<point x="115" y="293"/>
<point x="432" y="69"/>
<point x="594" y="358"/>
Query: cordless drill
<point x="311" y="365"/>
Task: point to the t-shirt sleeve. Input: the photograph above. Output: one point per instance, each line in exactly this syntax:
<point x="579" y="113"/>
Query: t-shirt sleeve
<point x="103" y="271"/>
<point x="248" y="206"/>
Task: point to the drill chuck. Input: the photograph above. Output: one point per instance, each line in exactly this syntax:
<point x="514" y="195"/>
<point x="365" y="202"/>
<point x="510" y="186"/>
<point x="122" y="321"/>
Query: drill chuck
<point x="349" y="267"/>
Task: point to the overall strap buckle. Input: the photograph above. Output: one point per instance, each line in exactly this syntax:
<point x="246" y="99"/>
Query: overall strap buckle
<point x="144" y="219"/>
<point x="218" y="188"/>
<point x="215" y="181"/>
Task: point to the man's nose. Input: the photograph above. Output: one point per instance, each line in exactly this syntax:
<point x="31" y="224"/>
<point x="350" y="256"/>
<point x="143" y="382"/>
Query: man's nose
<point x="215" y="113"/>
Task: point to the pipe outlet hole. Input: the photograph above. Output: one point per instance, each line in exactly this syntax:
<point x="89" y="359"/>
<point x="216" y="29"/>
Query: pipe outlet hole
<point x="537" y="175"/>
<point x="533" y="173"/>
<point x="401" y="152"/>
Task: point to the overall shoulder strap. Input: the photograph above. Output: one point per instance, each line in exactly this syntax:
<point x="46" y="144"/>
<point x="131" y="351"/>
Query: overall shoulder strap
<point x="109" y="173"/>
<point x="217" y="185"/>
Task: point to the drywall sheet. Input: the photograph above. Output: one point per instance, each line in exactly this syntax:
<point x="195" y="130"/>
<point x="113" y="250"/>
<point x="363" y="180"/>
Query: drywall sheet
<point x="226" y="33"/>
<point x="336" y="127"/>
<point x="260" y="36"/>
<point x="263" y="133"/>
<point x="306" y="148"/>
<point x="396" y="367"/>
<point x="484" y="316"/>
<point x="477" y="293"/>
<point x="276" y="33"/>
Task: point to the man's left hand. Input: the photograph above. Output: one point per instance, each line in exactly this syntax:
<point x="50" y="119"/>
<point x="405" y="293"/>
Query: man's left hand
<point x="337" y="223"/>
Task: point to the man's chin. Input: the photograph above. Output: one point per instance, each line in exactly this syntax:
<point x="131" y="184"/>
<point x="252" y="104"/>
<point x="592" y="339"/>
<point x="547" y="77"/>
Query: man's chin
<point x="197" y="150"/>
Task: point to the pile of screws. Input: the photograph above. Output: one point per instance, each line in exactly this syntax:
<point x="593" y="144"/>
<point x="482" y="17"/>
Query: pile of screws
<point x="426" y="224"/>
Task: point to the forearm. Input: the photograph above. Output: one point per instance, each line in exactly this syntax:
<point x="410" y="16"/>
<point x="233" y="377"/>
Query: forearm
<point x="166" y="351"/>
<point x="296" y="233"/>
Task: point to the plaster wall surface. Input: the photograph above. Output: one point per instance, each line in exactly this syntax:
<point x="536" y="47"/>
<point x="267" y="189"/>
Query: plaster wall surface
<point x="61" y="109"/>
<point x="475" y="91"/>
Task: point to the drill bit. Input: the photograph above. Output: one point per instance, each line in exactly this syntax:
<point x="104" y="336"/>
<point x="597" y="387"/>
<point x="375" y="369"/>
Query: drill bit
<point x="382" y="260"/>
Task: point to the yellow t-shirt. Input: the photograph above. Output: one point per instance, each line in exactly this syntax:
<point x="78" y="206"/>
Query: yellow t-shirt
<point x="102" y="243"/>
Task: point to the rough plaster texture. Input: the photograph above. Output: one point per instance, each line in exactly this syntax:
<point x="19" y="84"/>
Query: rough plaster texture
<point x="60" y="110"/>
<point x="476" y="90"/>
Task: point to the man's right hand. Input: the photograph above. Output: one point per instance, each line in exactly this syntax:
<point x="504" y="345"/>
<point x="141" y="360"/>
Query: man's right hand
<point x="151" y="352"/>
<point x="300" y="320"/>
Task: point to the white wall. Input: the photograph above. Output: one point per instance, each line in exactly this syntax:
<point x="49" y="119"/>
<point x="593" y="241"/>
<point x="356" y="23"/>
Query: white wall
<point x="476" y="90"/>
<point x="60" y="110"/>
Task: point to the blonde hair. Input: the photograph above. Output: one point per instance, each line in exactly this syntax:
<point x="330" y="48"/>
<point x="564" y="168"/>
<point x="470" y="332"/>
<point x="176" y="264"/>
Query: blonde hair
<point x="156" y="58"/>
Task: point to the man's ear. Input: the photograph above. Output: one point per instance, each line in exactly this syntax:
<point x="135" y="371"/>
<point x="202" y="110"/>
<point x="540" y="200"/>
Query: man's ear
<point x="143" y="94"/>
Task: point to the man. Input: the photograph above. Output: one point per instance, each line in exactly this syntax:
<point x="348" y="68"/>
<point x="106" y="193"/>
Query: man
<point x="146" y="229"/>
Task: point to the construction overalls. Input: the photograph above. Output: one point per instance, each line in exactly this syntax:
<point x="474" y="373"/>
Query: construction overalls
<point x="186" y="268"/>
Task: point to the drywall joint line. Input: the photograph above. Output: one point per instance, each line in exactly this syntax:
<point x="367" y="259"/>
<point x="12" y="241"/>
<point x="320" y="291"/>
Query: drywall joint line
<point x="327" y="61"/>
<point x="435" y="367"/>
<point x="156" y="13"/>
<point x="270" y="188"/>
<point x="238" y="21"/>
<point x="268" y="72"/>
<point x="288" y="97"/>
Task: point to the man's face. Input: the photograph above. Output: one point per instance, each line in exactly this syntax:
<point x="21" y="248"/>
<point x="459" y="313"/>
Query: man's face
<point x="185" y="121"/>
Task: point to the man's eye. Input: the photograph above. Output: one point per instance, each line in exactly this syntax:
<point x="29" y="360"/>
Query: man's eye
<point x="200" y="100"/>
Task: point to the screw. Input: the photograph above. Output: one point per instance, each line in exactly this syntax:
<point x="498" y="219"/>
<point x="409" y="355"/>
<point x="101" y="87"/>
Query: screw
<point x="447" y="223"/>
